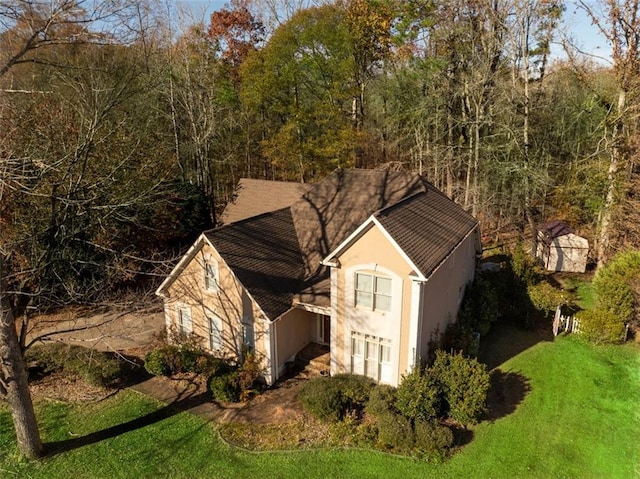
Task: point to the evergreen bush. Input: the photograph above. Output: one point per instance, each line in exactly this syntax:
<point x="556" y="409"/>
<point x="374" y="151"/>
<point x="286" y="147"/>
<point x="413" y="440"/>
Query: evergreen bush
<point x="600" y="326"/>
<point x="418" y="395"/>
<point x="464" y="383"/>
<point x="225" y="387"/>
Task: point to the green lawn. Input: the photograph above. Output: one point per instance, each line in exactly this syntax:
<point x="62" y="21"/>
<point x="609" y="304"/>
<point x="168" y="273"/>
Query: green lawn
<point x="578" y="419"/>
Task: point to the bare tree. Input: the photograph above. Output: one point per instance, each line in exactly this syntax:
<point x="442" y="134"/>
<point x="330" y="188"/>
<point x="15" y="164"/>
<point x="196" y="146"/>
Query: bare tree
<point x="34" y="34"/>
<point x="619" y="22"/>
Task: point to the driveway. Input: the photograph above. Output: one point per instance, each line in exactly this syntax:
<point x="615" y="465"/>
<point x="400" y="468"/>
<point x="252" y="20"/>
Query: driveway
<point x="104" y="329"/>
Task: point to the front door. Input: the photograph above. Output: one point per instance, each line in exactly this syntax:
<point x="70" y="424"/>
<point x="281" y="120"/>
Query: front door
<point x="324" y="331"/>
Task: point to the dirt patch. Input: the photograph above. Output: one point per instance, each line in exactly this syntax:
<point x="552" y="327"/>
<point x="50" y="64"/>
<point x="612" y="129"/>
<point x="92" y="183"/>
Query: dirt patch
<point x="64" y="387"/>
<point x="134" y="331"/>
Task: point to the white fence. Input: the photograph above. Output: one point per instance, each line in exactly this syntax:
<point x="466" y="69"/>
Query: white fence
<point x="569" y="324"/>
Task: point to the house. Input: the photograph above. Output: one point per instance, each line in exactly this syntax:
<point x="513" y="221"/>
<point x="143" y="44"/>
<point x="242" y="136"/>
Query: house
<point x="369" y="263"/>
<point x="560" y="249"/>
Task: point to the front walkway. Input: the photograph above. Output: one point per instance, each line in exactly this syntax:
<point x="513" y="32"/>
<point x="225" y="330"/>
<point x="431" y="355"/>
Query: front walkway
<point x="277" y="405"/>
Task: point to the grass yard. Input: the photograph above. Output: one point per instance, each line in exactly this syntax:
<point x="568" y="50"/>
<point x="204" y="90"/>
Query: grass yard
<point x="579" y="419"/>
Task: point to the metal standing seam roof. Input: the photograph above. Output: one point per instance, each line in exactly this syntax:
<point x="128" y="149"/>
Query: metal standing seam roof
<point x="276" y="255"/>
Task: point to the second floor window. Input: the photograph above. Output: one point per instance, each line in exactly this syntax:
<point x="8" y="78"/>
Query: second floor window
<point x="211" y="275"/>
<point x="373" y="292"/>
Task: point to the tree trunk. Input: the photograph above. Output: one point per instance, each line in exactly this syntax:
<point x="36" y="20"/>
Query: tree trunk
<point x="14" y="385"/>
<point x="612" y="182"/>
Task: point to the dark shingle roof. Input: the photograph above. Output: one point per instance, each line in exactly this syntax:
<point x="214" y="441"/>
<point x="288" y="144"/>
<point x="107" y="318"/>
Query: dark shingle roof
<point x="255" y="197"/>
<point x="277" y="255"/>
<point x="334" y="208"/>
<point x="427" y="227"/>
<point x="263" y="253"/>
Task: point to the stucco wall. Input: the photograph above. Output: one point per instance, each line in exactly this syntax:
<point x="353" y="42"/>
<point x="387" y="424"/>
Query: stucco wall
<point x="371" y="253"/>
<point x="444" y="290"/>
<point x="230" y="302"/>
<point x="293" y="332"/>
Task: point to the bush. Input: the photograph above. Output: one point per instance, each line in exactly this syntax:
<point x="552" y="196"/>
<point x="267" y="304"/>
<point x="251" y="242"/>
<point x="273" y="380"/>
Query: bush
<point x="418" y="395"/>
<point x="394" y="430"/>
<point x="248" y="373"/>
<point x="432" y="438"/>
<point x="464" y="383"/>
<point x="616" y="286"/>
<point x="480" y="306"/>
<point x="173" y="359"/>
<point x="459" y="337"/>
<point x="98" y="369"/>
<point x="544" y="297"/>
<point x="382" y="399"/>
<point x="156" y="363"/>
<point x="524" y="266"/>
<point x="331" y="399"/>
<point x="225" y="387"/>
<point x="601" y="326"/>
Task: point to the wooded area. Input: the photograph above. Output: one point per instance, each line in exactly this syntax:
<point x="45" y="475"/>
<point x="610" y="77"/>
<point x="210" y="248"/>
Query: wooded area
<point x="125" y="125"/>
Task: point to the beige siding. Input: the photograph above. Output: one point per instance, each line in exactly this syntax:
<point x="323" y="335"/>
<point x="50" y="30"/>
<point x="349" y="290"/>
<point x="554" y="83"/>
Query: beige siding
<point x="444" y="290"/>
<point x="372" y="252"/>
<point x="230" y="302"/>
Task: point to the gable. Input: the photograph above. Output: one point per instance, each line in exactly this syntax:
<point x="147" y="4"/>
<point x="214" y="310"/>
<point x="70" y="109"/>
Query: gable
<point x="424" y="228"/>
<point x="335" y="207"/>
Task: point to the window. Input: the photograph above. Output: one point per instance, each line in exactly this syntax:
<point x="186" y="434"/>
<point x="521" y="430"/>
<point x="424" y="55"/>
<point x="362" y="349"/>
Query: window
<point x="184" y="320"/>
<point x="215" y="333"/>
<point x="373" y="292"/>
<point x="210" y="275"/>
<point x="247" y="334"/>
<point x="371" y="356"/>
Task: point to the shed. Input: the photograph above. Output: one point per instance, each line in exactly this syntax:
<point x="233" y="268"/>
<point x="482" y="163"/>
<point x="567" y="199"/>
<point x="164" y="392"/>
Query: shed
<point x="560" y="249"/>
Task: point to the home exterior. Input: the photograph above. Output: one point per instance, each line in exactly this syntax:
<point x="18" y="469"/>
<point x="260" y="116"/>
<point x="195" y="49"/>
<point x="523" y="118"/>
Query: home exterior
<point x="372" y="264"/>
<point x="560" y="249"/>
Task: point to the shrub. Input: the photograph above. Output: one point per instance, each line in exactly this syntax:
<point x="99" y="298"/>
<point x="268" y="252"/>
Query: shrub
<point x="432" y="438"/>
<point x="98" y="369"/>
<point x="331" y="399"/>
<point x="459" y="337"/>
<point x="524" y="266"/>
<point x="616" y="285"/>
<point x="394" y="430"/>
<point x="321" y="399"/>
<point x="480" y="306"/>
<point x="354" y="389"/>
<point x="418" y="395"/>
<point x="544" y="297"/>
<point x="600" y="326"/>
<point x="382" y="399"/>
<point x="248" y="373"/>
<point x="156" y="363"/>
<point x="465" y="384"/>
<point x="172" y="359"/>
<point x="225" y="387"/>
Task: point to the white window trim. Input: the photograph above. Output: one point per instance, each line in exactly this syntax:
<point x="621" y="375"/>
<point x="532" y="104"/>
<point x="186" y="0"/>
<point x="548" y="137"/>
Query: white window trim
<point x="211" y="319"/>
<point x="180" y="310"/>
<point x="369" y="343"/>
<point x="374" y="294"/>
<point x="211" y="283"/>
